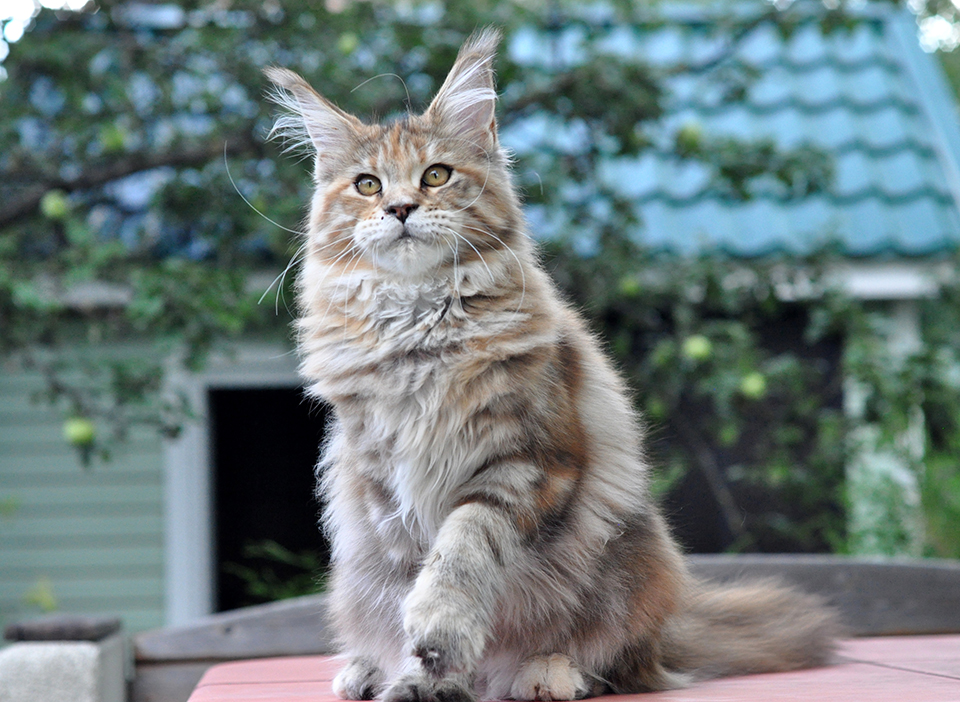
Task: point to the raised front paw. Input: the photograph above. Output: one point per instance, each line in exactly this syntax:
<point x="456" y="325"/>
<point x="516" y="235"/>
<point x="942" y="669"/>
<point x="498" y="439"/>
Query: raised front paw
<point x="418" y="688"/>
<point x="553" y="677"/>
<point x="361" y="679"/>
<point x="446" y="635"/>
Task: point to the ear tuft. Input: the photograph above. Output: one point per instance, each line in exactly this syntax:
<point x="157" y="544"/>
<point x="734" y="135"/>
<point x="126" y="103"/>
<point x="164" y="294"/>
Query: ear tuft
<point x="465" y="104"/>
<point x="309" y="121"/>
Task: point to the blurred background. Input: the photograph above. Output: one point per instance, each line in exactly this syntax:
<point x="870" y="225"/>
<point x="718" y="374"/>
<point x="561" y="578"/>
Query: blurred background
<point x="756" y="205"/>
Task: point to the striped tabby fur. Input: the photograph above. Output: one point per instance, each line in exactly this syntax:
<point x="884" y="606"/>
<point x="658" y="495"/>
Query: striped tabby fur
<point x="486" y="487"/>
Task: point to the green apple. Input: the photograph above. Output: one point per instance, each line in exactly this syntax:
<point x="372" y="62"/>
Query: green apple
<point x="113" y="137"/>
<point x="348" y="43"/>
<point x="54" y="205"/>
<point x="629" y="286"/>
<point x="753" y="385"/>
<point x="697" y="347"/>
<point x="656" y="409"/>
<point x="79" y="431"/>
<point x="689" y="138"/>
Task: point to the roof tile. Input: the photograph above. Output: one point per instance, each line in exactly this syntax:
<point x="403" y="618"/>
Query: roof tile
<point x="869" y="97"/>
<point x="848" y="92"/>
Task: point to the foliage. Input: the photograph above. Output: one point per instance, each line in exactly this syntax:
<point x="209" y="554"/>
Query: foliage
<point x="741" y="389"/>
<point x="132" y="136"/>
<point x="279" y="573"/>
<point x="749" y="397"/>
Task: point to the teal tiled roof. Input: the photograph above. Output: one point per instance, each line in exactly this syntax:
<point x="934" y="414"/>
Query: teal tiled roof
<point x="869" y="97"/>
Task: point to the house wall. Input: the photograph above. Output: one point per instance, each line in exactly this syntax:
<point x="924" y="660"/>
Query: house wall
<point x="190" y="558"/>
<point x="85" y="540"/>
<point x="130" y="537"/>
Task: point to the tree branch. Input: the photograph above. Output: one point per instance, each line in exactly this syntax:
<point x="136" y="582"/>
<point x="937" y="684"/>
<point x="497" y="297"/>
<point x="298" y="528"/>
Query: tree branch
<point x="25" y="203"/>
<point x="731" y="44"/>
<point x="710" y="470"/>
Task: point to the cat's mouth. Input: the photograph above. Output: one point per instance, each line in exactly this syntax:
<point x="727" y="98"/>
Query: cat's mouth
<point x="405" y="237"/>
<point x="407" y="250"/>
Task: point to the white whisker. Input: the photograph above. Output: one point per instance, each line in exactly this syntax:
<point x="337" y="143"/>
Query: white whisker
<point x="523" y="277"/>
<point x="346" y="295"/>
<point x="468" y="243"/>
<point x="486" y="177"/>
<point x="226" y="164"/>
<point x="279" y="280"/>
<point x="357" y="252"/>
<point x="388" y="75"/>
<point x="540" y="181"/>
<point x="456" y="269"/>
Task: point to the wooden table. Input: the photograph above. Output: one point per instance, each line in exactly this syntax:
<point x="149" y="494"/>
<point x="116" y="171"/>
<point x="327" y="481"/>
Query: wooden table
<point x="881" y="669"/>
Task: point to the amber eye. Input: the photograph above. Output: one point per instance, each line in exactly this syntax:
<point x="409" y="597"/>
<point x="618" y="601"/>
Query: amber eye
<point x="436" y="175"/>
<point x="367" y="184"/>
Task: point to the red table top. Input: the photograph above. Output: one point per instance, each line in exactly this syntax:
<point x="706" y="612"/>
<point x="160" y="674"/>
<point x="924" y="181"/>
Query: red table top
<point x="892" y="669"/>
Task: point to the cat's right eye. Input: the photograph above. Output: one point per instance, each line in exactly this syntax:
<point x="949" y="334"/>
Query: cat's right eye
<point x="367" y="184"/>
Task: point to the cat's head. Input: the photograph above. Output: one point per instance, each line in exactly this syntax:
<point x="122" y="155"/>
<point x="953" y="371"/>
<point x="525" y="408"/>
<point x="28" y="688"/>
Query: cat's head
<point x="422" y="195"/>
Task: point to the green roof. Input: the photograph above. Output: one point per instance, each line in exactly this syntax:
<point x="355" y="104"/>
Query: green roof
<point x="868" y="96"/>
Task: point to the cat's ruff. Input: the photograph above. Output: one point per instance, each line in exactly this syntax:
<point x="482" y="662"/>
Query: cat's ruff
<point x="485" y="485"/>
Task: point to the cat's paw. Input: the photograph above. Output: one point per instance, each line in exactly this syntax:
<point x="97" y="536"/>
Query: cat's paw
<point x="419" y="688"/>
<point x="445" y="637"/>
<point x="361" y="679"/>
<point x="553" y="677"/>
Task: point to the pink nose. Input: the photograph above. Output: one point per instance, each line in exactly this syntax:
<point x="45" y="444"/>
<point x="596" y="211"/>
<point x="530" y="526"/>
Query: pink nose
<point x="401" y="212"/>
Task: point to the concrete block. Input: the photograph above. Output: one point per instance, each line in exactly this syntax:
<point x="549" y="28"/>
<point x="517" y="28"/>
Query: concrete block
<point x="62" y="671"/>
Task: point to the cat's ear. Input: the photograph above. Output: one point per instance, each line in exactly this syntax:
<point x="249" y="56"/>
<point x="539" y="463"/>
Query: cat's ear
<point x="465" y="105"/>
<point x="309" y="119"/>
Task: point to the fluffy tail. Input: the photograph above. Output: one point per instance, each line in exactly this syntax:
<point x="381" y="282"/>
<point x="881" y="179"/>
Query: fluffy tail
<point x="749" y="627"/>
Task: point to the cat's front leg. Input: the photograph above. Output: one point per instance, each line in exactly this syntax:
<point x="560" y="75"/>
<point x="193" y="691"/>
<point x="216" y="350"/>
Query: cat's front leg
<point x="449" y="611"/>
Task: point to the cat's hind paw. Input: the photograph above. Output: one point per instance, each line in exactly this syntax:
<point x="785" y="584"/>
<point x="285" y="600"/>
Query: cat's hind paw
<point x="553" y="677"/>
<point x="361" y="679"/>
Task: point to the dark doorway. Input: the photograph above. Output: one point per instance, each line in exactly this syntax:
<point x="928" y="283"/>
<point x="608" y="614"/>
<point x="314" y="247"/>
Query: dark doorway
<point x="265" y="443"/>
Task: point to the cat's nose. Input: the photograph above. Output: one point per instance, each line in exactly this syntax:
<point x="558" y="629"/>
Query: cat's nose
<point x="403" y="211"/>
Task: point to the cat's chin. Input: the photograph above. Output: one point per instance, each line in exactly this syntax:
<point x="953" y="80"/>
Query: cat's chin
<point x="410" y="256"/>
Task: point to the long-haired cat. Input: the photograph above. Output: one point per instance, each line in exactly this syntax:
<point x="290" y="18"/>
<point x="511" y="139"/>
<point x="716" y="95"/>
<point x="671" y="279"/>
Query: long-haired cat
<point x="486" y="488"/>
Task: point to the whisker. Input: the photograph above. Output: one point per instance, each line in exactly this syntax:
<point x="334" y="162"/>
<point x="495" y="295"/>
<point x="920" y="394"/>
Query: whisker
<point x="297" y="257"/>
<point x="456" y="267"/>
<point x="278" y="281"/>
<point x="441" y="261"/>
<point x="470" y="244"/>
<point x="486" y="176"/>
<point x="330" y="263"/>
<point x="483" y="188"/>
<point x="348" y="216"/>
<point x="353" y="248"/>
<point x="226" y="164"/>
<point x="540" y="181"/>
<point x="486" y="232"/>
<point x="356" y="250"/>
<point x="388" y="75"/>
<point x="523" y="277"/>
<point x="283" y="277"/>
<point x="346" y="296"/>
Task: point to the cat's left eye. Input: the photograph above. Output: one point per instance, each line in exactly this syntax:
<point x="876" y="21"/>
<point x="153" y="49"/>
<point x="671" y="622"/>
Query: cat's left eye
<point x="437" y="174"/>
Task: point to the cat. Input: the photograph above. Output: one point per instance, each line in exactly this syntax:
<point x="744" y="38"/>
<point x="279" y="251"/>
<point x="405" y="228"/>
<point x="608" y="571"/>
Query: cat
<point x="486" y="490"/>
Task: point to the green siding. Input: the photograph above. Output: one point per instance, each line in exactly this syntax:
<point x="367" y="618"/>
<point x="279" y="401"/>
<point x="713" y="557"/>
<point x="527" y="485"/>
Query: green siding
<point x="95" y="534"/>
